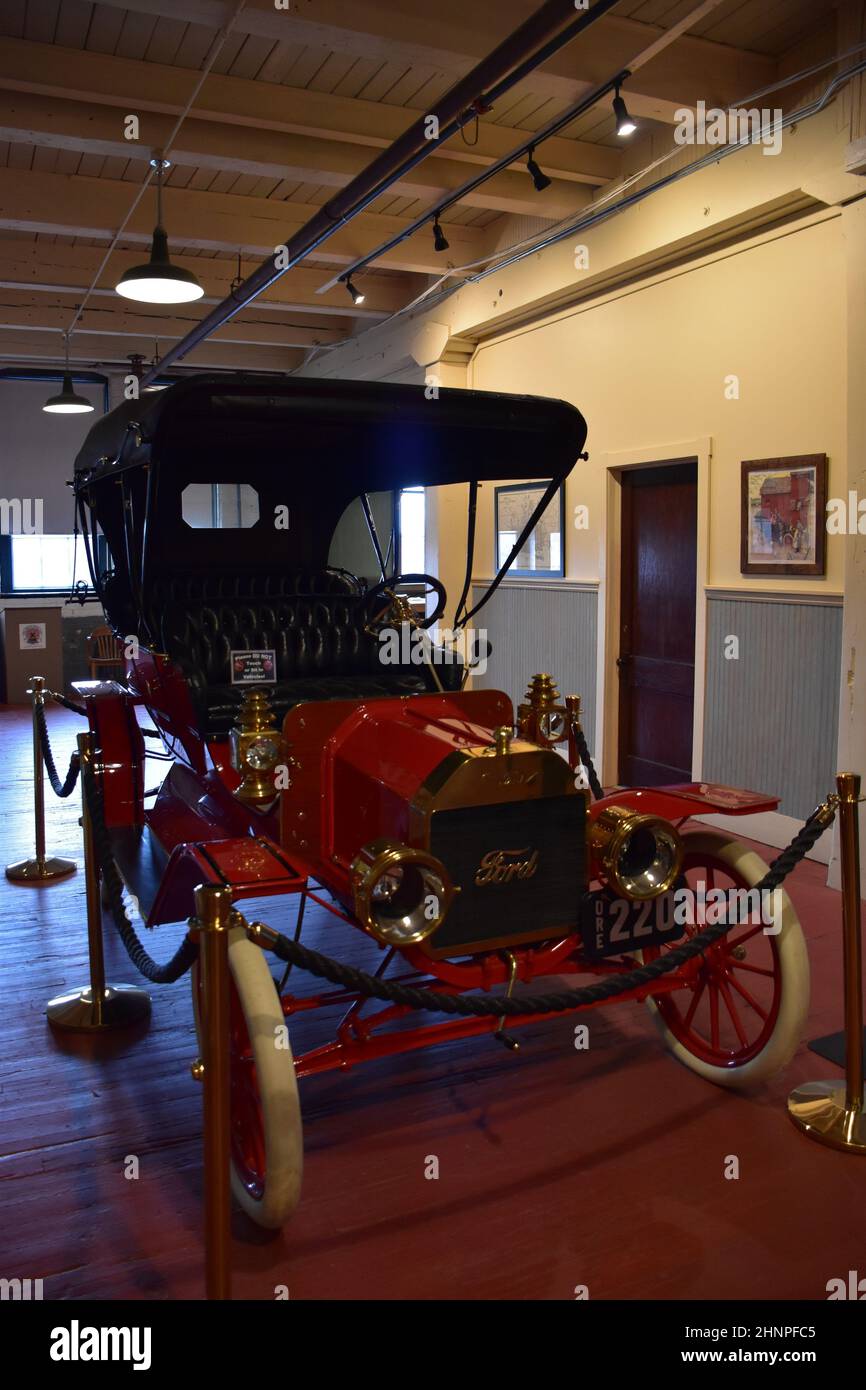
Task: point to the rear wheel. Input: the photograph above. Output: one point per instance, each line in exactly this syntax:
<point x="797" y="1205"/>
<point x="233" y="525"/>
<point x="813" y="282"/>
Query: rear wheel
<point x="266" y="1141"/>
<point x="742" y="1017"/>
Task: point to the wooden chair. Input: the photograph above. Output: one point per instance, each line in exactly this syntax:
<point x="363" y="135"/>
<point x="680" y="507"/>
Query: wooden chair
<point x="103" y="649"/>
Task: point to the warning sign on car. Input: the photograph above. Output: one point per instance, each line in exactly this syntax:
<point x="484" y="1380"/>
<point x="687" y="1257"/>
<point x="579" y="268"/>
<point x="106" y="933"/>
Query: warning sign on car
<point x="254" y="668"/>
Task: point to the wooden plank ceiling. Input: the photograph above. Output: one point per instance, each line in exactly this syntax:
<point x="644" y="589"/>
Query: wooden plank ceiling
<point x="296" y="103"/>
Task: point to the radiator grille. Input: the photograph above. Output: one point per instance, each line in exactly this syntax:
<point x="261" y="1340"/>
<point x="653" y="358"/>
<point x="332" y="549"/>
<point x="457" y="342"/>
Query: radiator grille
<point x="545" y="836"/>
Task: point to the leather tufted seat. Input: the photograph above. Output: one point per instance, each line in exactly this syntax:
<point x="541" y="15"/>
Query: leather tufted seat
<point x="314" y="622"/>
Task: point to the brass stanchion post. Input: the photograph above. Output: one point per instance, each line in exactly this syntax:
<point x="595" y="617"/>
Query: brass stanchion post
<point x="96" y="1007"/>
<point x="213" y="907"/>
<point x="40" y="869"/>
<point x="832" y="1112"/>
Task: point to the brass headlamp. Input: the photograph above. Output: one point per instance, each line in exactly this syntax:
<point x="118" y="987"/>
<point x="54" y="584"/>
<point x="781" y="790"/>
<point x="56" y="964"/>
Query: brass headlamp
<point x="543" y="718"/>
<point x="256" y="748"/>
<point x="401" y="894"/>
<point x="638" y="855"/>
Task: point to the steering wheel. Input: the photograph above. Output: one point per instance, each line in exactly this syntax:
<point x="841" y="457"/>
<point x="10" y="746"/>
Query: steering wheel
<point x="381" y="590"/>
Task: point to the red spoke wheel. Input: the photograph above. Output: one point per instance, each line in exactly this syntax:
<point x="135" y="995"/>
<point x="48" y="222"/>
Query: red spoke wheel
<point x="742" y="1016"/>
<point x="267" y="1145"/>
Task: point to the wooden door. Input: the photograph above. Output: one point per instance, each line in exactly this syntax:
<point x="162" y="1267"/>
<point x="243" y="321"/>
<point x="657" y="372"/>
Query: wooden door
<point x="656" y="661"/>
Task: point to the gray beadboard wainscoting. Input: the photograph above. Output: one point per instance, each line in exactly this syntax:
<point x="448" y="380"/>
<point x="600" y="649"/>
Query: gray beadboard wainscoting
<point x="541" y="625"/>
<point x="771" y="717"/>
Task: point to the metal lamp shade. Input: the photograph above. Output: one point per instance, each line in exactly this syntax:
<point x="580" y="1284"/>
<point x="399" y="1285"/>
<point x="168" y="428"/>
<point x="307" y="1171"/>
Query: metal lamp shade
<point x="158" y="281"/>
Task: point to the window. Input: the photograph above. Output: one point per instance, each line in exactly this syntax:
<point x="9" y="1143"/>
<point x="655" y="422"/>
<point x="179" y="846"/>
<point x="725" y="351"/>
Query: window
<point x="399" y="520"/>
<point x="45" y="562"/>
<point x="412" y="530"/>
<point x="351" y="546"/>
<point x="514" y="506"/>
<point x="220" y="506"/>
<point x="507" y="540"/>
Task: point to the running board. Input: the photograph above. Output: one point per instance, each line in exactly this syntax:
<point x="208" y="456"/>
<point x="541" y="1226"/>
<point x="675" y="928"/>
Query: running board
<point x="164" y="884"/>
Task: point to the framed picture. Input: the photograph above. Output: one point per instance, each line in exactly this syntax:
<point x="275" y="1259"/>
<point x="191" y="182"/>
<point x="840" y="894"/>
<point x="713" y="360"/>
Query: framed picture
<point x="543" y="555"/>
<point x="782" y="516"/>
<point x="32" y="636"/>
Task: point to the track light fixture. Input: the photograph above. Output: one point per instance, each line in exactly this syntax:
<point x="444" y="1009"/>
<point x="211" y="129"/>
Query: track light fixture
<point x="625" y="125"/>
<point x="159" y="282"/>
<point x="67" y="403"/>
<point x="539" y="178"/>
<point x="439" y="241"/>
<point x="357" y="296"/>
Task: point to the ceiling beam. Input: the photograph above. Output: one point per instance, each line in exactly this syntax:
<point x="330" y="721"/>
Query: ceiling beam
<point x="73" y="205"/>
<point x="87" y="129"/>
<point x="28" y="312"/>
<point x="412" y="35"/>
<point x="65" y="267"/>
<point x="137" y="87"/>
<point x="39" y="349"/>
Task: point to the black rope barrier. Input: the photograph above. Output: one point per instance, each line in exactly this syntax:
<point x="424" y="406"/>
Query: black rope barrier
<point x="481" y="1005"/>
<point x="66" y="787"/>
<point x="68" y="704"/>
<point x="417" y="996"/>
<point x="185" y="954"/>
<point x="591" y="775"/>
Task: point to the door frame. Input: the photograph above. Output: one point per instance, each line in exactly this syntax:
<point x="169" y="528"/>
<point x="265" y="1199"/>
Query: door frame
<point x="699" y="452"/>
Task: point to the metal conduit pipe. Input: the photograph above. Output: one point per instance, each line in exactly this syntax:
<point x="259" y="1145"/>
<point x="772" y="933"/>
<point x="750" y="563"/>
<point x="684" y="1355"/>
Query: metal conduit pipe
<point x="449" y="199"/>
<point x="524" y="50"/>
<point x="553" y="126"/>
<point x="713" y="156"/>
<point x="594" y="216"/>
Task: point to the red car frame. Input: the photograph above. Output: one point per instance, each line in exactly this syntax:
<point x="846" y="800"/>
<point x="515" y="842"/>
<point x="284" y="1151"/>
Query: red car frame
<point x="452" y="830"/>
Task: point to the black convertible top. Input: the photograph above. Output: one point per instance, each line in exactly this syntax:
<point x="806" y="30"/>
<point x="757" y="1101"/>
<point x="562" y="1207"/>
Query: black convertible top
<point x="375" y="435"/>
<point x="311" y="445"/>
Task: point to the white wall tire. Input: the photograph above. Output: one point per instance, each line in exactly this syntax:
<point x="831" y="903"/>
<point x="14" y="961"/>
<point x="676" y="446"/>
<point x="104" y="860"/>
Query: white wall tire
<point x="267" y="1139"/>
<point x="790" y="986"/>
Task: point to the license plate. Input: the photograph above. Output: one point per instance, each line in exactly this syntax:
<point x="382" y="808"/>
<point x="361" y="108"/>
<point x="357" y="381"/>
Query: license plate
<point x="613" y="926"/>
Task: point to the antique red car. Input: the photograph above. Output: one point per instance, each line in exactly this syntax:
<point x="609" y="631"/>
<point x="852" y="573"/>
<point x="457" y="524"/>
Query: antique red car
<point x="224" y="517"/>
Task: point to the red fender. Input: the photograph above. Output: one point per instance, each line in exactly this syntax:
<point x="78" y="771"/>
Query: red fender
<point x="688" y="799"/>
<point x="676" y="803"/>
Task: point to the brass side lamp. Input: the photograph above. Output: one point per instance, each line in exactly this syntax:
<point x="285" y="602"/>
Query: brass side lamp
<point x="543" y="718"/>
<point x="256" y="748"/>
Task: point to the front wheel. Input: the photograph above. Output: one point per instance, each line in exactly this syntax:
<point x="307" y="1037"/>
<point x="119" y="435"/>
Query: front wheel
<point x="266" y="1138"/>
<point x="742" y="1017"/>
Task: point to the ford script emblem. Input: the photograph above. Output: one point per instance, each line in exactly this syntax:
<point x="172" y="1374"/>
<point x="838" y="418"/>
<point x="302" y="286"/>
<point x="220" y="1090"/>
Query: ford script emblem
<point x="503" y="865"/>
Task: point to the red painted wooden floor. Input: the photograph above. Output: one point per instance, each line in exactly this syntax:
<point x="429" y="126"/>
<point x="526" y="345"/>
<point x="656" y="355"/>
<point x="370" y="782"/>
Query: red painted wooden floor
<point x="557" y="1167"/>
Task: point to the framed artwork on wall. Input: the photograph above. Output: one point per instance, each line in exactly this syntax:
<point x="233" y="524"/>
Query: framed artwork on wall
<point x="31" y="636"/>
<point x="783" y="505"/>
<point x="543" y="555"/>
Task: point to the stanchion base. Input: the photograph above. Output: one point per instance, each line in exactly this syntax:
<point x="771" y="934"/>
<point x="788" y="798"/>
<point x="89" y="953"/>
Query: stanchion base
<point x="818" y="1108"/>
<point x="122" y="1006"/>
<point x="40" y="870"/>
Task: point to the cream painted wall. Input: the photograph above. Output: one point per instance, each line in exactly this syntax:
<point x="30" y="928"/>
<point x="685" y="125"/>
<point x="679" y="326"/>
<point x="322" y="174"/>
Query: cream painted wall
<point x="647" y="367"/>
<point x="739" y="268"/>
<point x="445" y="539"/>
